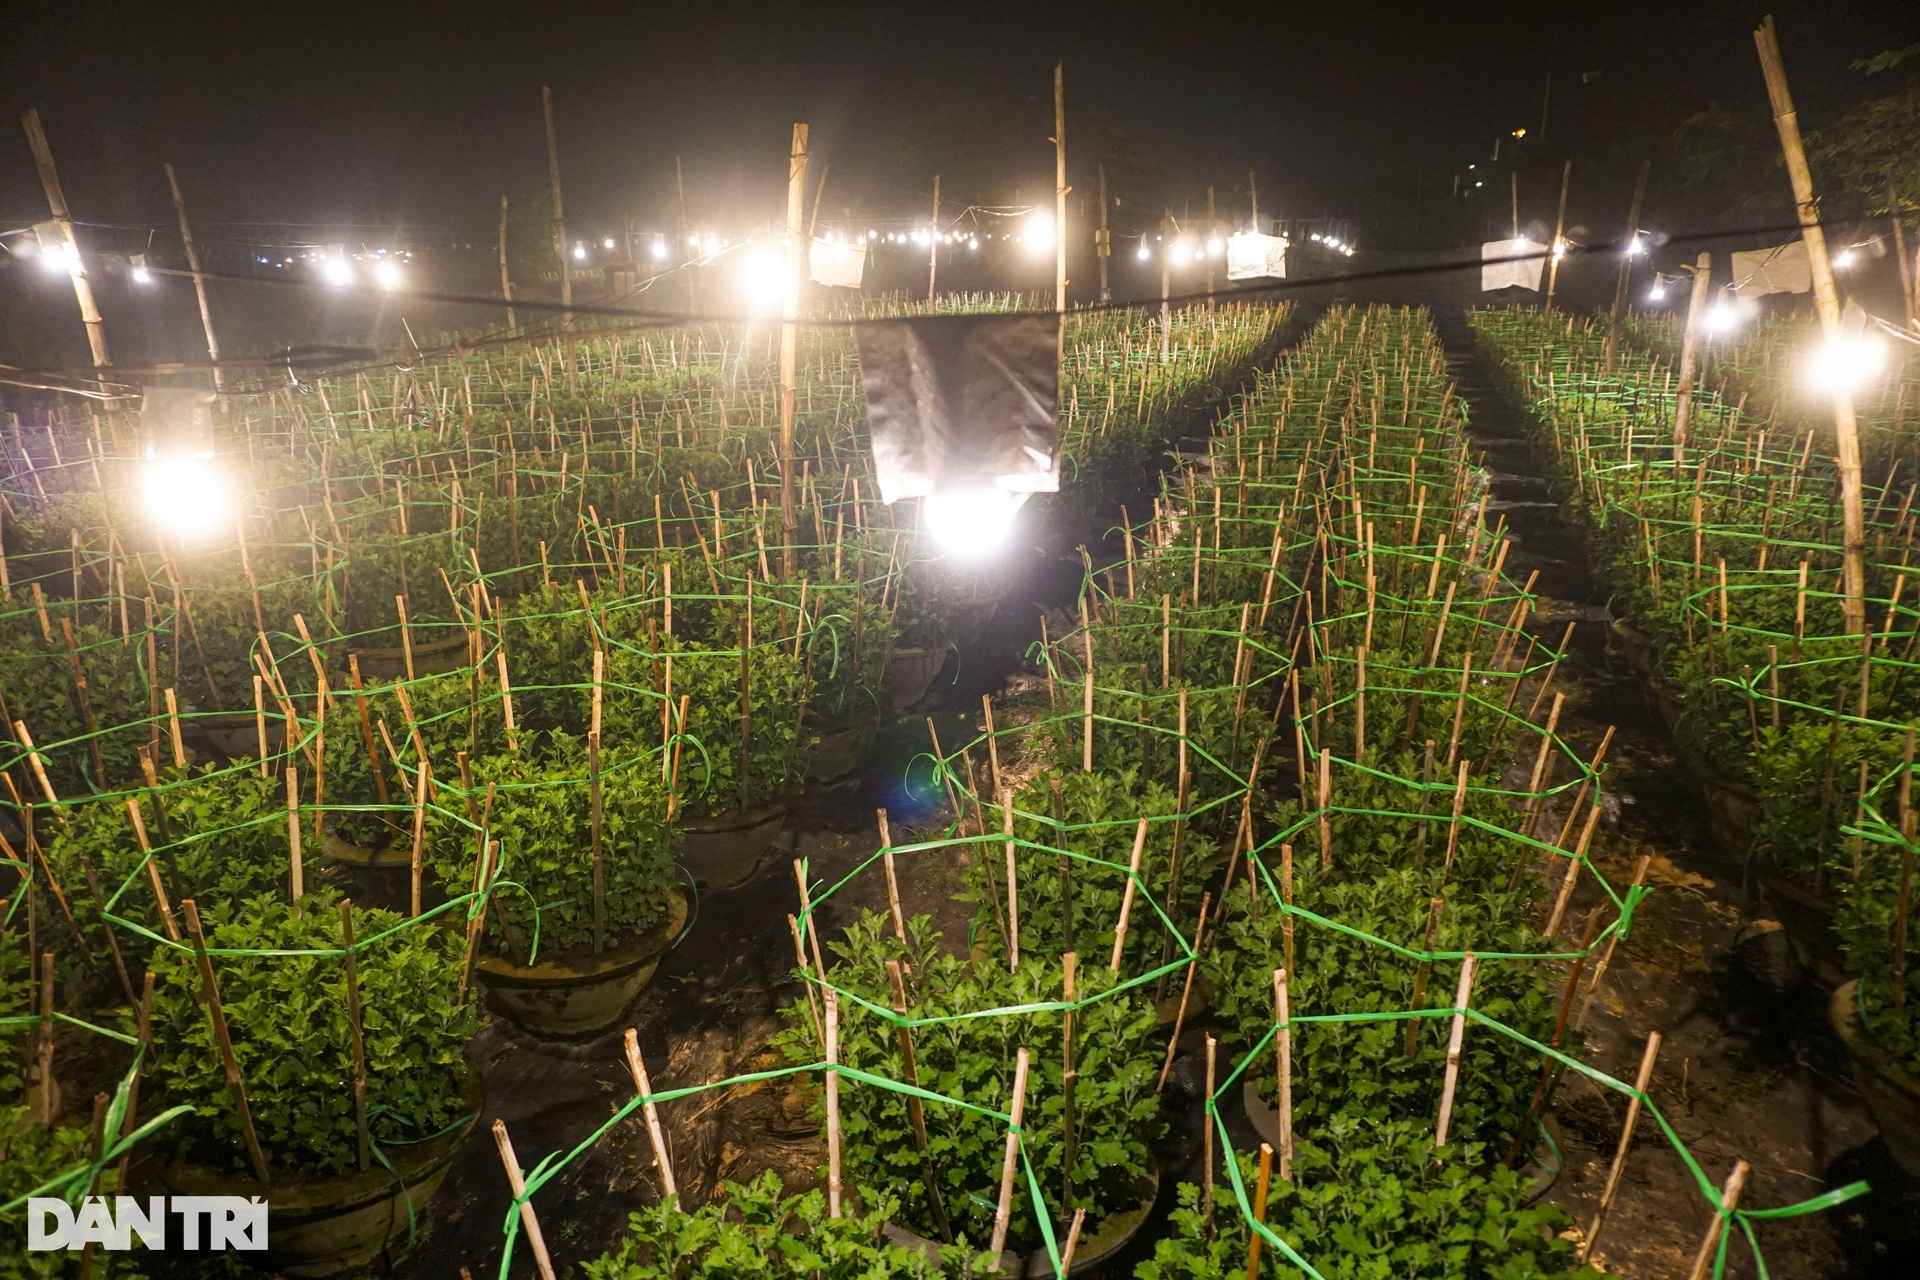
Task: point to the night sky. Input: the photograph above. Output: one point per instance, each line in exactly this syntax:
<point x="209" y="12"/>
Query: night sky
<point x="428" y="113"/>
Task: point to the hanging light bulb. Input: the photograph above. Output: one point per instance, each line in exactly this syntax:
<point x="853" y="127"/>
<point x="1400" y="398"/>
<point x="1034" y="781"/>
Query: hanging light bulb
<point x="973" y="522"/>
<point x="1846" y="362"/>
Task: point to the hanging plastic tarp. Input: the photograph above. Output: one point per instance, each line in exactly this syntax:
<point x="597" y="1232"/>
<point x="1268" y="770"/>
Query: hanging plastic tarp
<point x="1251" y="256"/>
<point x="837" y="263"/>
<point x="959" y="403"/>
<point x="1527" y="258"/>
<point x="1759" y="272"/>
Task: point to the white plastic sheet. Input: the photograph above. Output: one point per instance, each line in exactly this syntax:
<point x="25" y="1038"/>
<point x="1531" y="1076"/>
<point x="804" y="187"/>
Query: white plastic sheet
<point x="837" y="263"/>
<point x="1523" y="274"/>
<point x="1758" y="272"/>
<point x="1256" y="257"/>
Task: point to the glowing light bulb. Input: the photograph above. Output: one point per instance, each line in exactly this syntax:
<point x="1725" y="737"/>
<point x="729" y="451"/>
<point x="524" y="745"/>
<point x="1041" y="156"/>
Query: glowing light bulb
<point x="607" y="243"/>
<point x="579" y="253"/>
<point x="972" y="523"/>
<point x="1635" y="246"/>
<point x="1145" y="252"/>
<point x="186" y="495"/>
<point x="1846" y="363"/>
<point x="1215" y="247"/>
<point x="1039" y="230"/>
<point x="1721" y="317"/>
<point x="387" y="275"/>
<point x="335" y="271"/>
<point x="763" y="278"/>
<point x="1658" y="292"/>
<point x="660" y="247"/>
<point x="1843" y="260"/>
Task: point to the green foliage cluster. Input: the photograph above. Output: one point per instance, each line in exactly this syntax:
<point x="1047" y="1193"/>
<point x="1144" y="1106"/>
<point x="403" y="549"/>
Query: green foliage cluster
<point x="284" y="992"/>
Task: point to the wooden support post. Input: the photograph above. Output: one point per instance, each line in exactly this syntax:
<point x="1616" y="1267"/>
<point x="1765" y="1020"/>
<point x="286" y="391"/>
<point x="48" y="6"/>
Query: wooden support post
<point x="236" y="1087"/>
<point x="1126" y="895"/>
<point x="70" y="244"/>
<point x="1690" y="355"/>
<point x="1186" y="994"/>
<point x="1283" y="1051"/>
<point x="915" y="1112"/>
<point x="1009" y="1164"/>
<point x="832" y="999"/>
<point x="1557" y="249"/>
<point x="1060" y="190"/>
<point x="529" y="1221"/>
<point x="1260" y="1210"/>
<point x="1619" y="1166"/>
<point x="1826" y="301"/>
<point x="1013" y="882"/>
<point x="1729" y="1200"/>
<point x="796" y="269"/>
<point x="354" y="1036"/>
<point x="1619" y="312"/>
<point x="559" y="216"/>
<point x="506" y="281"/>
<point x="637" y="1065"/>
<point x="933" y="241"/>
<point x="1461" y="997"/>
<point x="893" y="880"/>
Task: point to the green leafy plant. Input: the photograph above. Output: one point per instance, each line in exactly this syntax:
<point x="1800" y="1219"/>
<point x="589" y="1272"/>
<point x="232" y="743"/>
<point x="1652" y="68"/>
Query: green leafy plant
<point x="287" y="1014"/>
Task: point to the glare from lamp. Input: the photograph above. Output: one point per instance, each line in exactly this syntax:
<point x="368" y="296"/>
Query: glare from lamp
<point x="1846" y="363"/>
<point x="1145" y="252"/>
<point x="607" y="243"/>
<point x="1657" y="293"/>
<point x="185" y="495"/>
<point x="335" y="271"/>
<point x="763" y="278"/>
<point x="387" y="275"/>
<point x="63" y="258"/>
<point x="580" y="253"/>
<point x="1039" y="230"/>
<point x="142" y="276"/>
<point x="971" y="523"/>
<point x="1635" y="246"/>
<point x="1843" y="260"/>
<point x="1721" y="317"/>
<point x="1215" y="246"/>
<point x="660" y="248"/>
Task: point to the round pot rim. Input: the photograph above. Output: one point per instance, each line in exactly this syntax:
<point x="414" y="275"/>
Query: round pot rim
<point x="615" y="962"/>
<point x="1844" y="1013"/>
<point x="742" y="819"/>
<point x="312" y="1196"/>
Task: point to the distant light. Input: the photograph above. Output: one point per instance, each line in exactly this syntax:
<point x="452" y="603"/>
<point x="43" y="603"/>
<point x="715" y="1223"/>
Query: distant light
<point x="972" y="523"/>
<point x="1559" y="248"/>
<point x="62" y="257"/>
<point x="1145" y="252"/>
<point x="1215" y="246"/>
<point x="660" y="247"/>
<point x="185" y="494"/>
<point x="140" y="273"/>
<point x="387" y="275"/>
<point x="1722" y="317"/>
<point x="1635" y="246"/>
<point x="1843" y="260"/>
<point x="607" y="243"/>
<point x="1845" y="363"/>
<point x="1658" y="292"/>
<point x="1519" y="133"/>
<point x="763" y="278"/>
<point x="579" y="253"/>
<point x="336" y="271"/>
<point x="1479" y="184"/>
<point x="1038" y="230"/>
<point x="973" y="242"/>
<point x="693" y="242"/>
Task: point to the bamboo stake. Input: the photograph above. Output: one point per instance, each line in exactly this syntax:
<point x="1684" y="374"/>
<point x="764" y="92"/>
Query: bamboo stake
<point x="75" y="265"/>
<point x="1186" y="994"/>
<point x="529" y="1221"/>
<point x="637" y="1065"/>
<point x="1423" y="973"/>
<point x="1461" y="997"/>
<point x="832" y="998"/>
<point x="1207" y="1127"/>
<point x="1283" y="1050"/>
<point x="1729" y="1199"/>
<point x="236" y="1087"/>
<point x="1260" y="1209"/>
<point x="1086" y="748"/>
<point x="1620" y="1153"/>
<point x="354" y="1036"/>
<point x="1126" y="895"/>
<point x="795" y="273"/>
<point x="806" y="970"/>
<point x="893" y="881"/>
<point x="915" y="1112"/>
<point x="1004" y="1209"/>
<point x="812" y="927"/>
<point x="1013" y="884"/>
<point x="1606" y="957"/>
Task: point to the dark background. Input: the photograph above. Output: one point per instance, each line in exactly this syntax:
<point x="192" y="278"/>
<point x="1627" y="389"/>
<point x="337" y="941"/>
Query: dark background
<point x="406" y="123"/>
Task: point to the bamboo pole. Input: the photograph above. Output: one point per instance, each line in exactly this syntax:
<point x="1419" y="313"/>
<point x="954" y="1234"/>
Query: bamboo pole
<point x="1060" y="190"/>
<point x="506" y="281"/>
<point x="832" y="999"/>
<point x="915" y="1112"/>
<point x="354" y="1036"/>
<point x="529" y="1221"/>
<point x="559" y="215"/>
<point x="1013" y="883"/>
<point x="595" y="801"/>
<point x="1557" y="249"/>
<point x="1620" y="1153"/>
<point x="1461" y="997"/>
<point x="933" y="241"/>
<point x="1690" y="355"/>
<point x="216" y="1013"/>
<point x="200" y="295"/>
<point x="1260" y="1209"/>
<point x="1186" y="993"/>
<point x="1126" y="895"/>
<point x="1423" y="973"/>
<point x="637" y="1065"/>
<point x="1618" y="314"/>
<point x="1729" y="1200"/>
<point x="806" y="971"/>
<point x="70" y="244"/>
<point x="1283" y="1050"/>
<point x="1004" y="1209"/>
<point x="1826" y="301"/>
<point x="1207" y="1121"/>
<point x="796" y="266"/>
